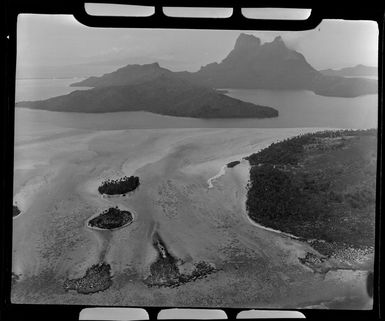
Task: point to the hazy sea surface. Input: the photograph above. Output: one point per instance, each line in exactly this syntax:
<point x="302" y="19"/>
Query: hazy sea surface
<point x="302" y="108"/>
<point x="297" y="108"/>
<point x="44" y="88"/>
<point x="365" y="76"/>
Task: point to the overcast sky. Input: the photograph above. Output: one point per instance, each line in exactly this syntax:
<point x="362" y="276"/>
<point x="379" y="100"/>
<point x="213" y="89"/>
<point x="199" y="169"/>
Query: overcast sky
<point x="59" y="46"/>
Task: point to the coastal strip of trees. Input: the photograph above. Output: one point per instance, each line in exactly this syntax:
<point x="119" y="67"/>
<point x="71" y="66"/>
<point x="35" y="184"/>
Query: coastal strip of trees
<point x="318" y="186"/>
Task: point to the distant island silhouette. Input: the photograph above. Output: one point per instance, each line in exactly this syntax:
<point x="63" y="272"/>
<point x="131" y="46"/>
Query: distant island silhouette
<point x="355" y="71"/>
<point x="166" y="94"/>
<point x="250" y="65"/>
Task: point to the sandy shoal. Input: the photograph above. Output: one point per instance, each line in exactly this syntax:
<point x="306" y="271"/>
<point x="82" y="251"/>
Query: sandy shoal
<point x="57" y="180"/>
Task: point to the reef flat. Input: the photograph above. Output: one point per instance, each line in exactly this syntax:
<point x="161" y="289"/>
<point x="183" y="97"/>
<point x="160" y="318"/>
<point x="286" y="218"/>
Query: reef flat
<point x="97" y="278"/>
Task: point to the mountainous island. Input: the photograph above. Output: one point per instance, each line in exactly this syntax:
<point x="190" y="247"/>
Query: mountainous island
<point x="250" y="65"/>
<point x="161" y="92"/>
<point x="356" y="71"/>
<point x="273" y="65"/>
<point x="253" y="65"/>
<point x="127" y="76"/>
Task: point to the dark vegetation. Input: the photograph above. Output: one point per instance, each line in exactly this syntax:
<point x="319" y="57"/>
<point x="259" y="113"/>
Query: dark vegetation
<point x="97" y="278"/>
<point x="250" y="65"/>
<point x="111" y="219"/>
<point x="318" y="186"/>
<point x="164" y="272"/>
<point x="119" y="186"/>
<point x="233" y="164"/>
<point x="167" y="94"/>
<point x="15" y="211"/>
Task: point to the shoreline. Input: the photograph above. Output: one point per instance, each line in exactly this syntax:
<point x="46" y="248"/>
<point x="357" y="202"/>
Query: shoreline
<point x="245" y="212"/>
<point x="221" y="172"/>
<point x="272" y="230"/>
<point x="107" y="196"/>
<point x="335" y="250"/>
<point x="106" y="229"/>
<point x="175" y="194"/>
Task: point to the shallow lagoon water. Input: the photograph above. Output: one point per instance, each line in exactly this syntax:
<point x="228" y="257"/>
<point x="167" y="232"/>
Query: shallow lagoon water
<point x="175" y="200"/>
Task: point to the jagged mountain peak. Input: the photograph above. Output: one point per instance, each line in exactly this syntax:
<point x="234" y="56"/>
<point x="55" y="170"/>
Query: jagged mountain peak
<point x="152" y="65"/>
<point x="246" y="41"/>
<point x="149" y="66"/>
<point x="278" y="39"/>
<point x="271" y="65"/>
<point x="247" y="44"/>
<point x="278" y="42"/>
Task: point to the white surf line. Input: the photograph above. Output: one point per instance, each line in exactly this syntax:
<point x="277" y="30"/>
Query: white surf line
<point x="133" y="214"/>
<point x="221" y="172"/>
<point x="259" y="225"/>
<point x="14" y="217"/>
<point x="18" y="215"/>
<point x="107" y="229"/>
<point x="270" y="229"/>
<point x="112" y="196"/>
